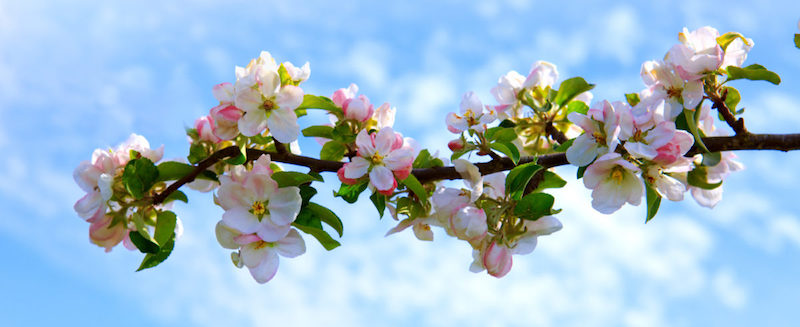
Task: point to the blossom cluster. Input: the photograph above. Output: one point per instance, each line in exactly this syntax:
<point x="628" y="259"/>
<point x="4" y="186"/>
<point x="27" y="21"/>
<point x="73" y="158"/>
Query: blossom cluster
<point x="257" y="219"/>
<point x="105" y="205"/>
<point x="654" y="146"/>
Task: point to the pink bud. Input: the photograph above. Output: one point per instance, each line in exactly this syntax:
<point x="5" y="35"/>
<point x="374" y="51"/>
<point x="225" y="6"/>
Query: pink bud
<point x="104" y="236"/>
<point x="456" y="144"/>
<point x="497" y="259"/>
<point x="206" y="129"/>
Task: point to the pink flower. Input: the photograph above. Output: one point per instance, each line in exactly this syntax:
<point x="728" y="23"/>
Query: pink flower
<point x="497" y="259"/>
<point x="543" y="74"/>
<point x="383" y="157"/>
<point x="664" y="83"/>
<point x="601" y="127"/>
<point x="384" y="116"/>
<point x="259" y="256"/>
<point x="205" y="129"/>
<point x="358" y="108"/>
<point x="255" y="204"/>
<point x="104" y="235"/>
<point x="341" y="95"/>
<point x="469" y="223"/>
<point x="697" y="54"/>
<point x="225" y="116"/>
<point x="456" y="144"/>
<point x="613" y="181"/>
<point x="472" y="115"/>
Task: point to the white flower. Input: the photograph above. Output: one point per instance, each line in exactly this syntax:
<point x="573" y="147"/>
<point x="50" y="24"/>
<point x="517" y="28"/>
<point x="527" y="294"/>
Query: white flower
<point x="601" y="127"/>
<point x="613" y="181"/>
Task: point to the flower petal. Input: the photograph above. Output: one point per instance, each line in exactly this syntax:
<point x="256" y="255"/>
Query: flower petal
<point x="283" y="125"/>
<point x="381" y="177"/>
<point x="284" y="205"/>
<point x="292" y="245"/>
<point x="240" y="219"/>
<point x="266" y="270"/>
<point x="356" y="168"/>
<point x="253" y="123"/>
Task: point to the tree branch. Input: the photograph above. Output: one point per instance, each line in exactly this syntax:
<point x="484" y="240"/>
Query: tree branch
<point x="748" y="141"/>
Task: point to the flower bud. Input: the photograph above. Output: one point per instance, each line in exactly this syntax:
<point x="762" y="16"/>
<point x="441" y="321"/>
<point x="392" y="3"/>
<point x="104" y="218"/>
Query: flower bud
<point x="456" y="145"/>
<point x="497" y="259"/>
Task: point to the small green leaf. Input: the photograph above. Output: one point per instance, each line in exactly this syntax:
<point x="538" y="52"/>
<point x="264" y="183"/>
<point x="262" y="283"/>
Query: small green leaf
<point x="468" y="147"/>
<point x="692" y="125"/>
<point x="414" y="185"/>
<point x="306" y="193"/>
<point x="698" y="177"/>
<point x="326" y="216"/>
<point x="139" y="176"/>
<point x="653" y="202"/>
<point x="732" y="98"/>
<point x="350" y="193"/>
<point x="286" y="79"/>
<point x="144" y="244"/>
<point x="379" y="200"/>
<point x="633" y="99"/>
<point x="292" y="178"/>
<point x="197" y="152"/>
<point x="333" y="151"/>
<point x="152" y="260"/>
<point x="500" y="134"/>
<point x="550" y="180"/>
<point x="322" y="236"/>
<point x="518" y="179"/>
<point x="725" y="39"/>
<point x="577" y="106"/>
<point x="318" y="131"/>
<point x="240" y="157"/>
<point x="507" y="148"/>
<point x="581" y="170"/>
<point x="165" y="226"/>
<point x="342" y="132"/>
<point x="534" y="206"/>
<point x="507" y="123"/>
<point x="320" y="102"/>
<point x="173" y="170"/>
<point x="425" y="160"/>
<point x="565" y="146"/>
<point x="176" y="195"/>
<point x="797" y="41"/>
<point x="754" y="72"/>
<point x="571" y="88"/>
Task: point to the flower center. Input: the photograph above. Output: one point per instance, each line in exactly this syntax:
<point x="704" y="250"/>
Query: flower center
<point x="258" y="209"/>
<point x="376" y="158"/>
<point x="617" y="174"/>
<point x="268" y="105"/>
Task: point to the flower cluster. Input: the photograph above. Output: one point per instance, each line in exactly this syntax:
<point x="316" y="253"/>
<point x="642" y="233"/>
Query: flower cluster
<point x="105" y="205"/>
<point x="654" y="146"/>
<point x="257" y="219"/>
<point x="383" y="157"/>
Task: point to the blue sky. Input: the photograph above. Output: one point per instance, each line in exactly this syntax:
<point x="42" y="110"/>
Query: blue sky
<point x="78" y="75"/>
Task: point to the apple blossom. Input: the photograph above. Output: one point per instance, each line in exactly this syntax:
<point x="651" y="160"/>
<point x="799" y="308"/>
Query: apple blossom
<point x="205" y="129"/>
<point x="665" y="84"/>
<point x="472" y="117"/>
<point x="497" y="259"/>
<point x="226" y="115"/>
<point x="613" y="181"/>
<point x="383" y="156"/>
<point x="261" y="257"/>
<point x="601" y="127"/>
<point x="265" y="102"/>
<point x="298" y="75"/>
<point x="543" y="74"/>
<point x="697" y="54"/>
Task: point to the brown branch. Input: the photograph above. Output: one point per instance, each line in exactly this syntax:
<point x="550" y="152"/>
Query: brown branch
<point x="722" y="108"/>
<point x="554" y="133"/>
<point x="780" y="142"/>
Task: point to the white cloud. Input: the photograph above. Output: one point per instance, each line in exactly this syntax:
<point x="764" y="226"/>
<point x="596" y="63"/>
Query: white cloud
<point x="729" y="290"/>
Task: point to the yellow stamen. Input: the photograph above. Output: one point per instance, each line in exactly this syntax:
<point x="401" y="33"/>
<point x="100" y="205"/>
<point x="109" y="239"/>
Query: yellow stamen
<point x="616" y="175"/>
<point x="258" y="208"/>
<point x="377" y="158"/>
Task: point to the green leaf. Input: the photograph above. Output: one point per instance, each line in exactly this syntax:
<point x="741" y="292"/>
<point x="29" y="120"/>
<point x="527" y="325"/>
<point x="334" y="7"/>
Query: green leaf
<point x="518" y="178"/>
<point x="468" y="147"/>
<point x="725" y="39"/>
<point x="797" y="41"/>
<point x="692" y="125"/>
<point x="754" y="72"/>
<point x="379" y="200"/>
<point x="152" y="260"/>
<point x="320" y="102"/>
<point x="326" y="216"/>
<point x="197" y="152"/>
<point x="333" y="151"/>
<point x="507" y="148"/>
<point x="410" y="208"/>
<point x="732" y="98"/>
<point x="414" y="185"/>
<point x="139" y="176"/>
<point x="425" y="160"/>
<point x="286" y="79"/>
<point x="577" y="106"/>
<point x="306" y="193"/>
<point x="581" y="170"/>
<point x="176" y="195"/>
<point x="571" y="88"/>
<point x="633" y="99"/>
<point x="653" y="202"/>
<point x="173" y="170"/>
<point x="165" y="226"/>
<point x="500" y="134"/>
<point x="319" y="131"/>
<point x="322" y="236"/>
<point x="698" y="177"/>
<point x="342" y="132"/>
<point x="534" y="206"/>
<point x="507" y="123"/>
<point x="565" y="146"/>
<point x="550" y="180"/>
<point x="240" y="157"/>
<point x="712" y="159"/>
<point x="144" y="244"/>
<point x="292" y="178"/>
<point x="350" y="193"/>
